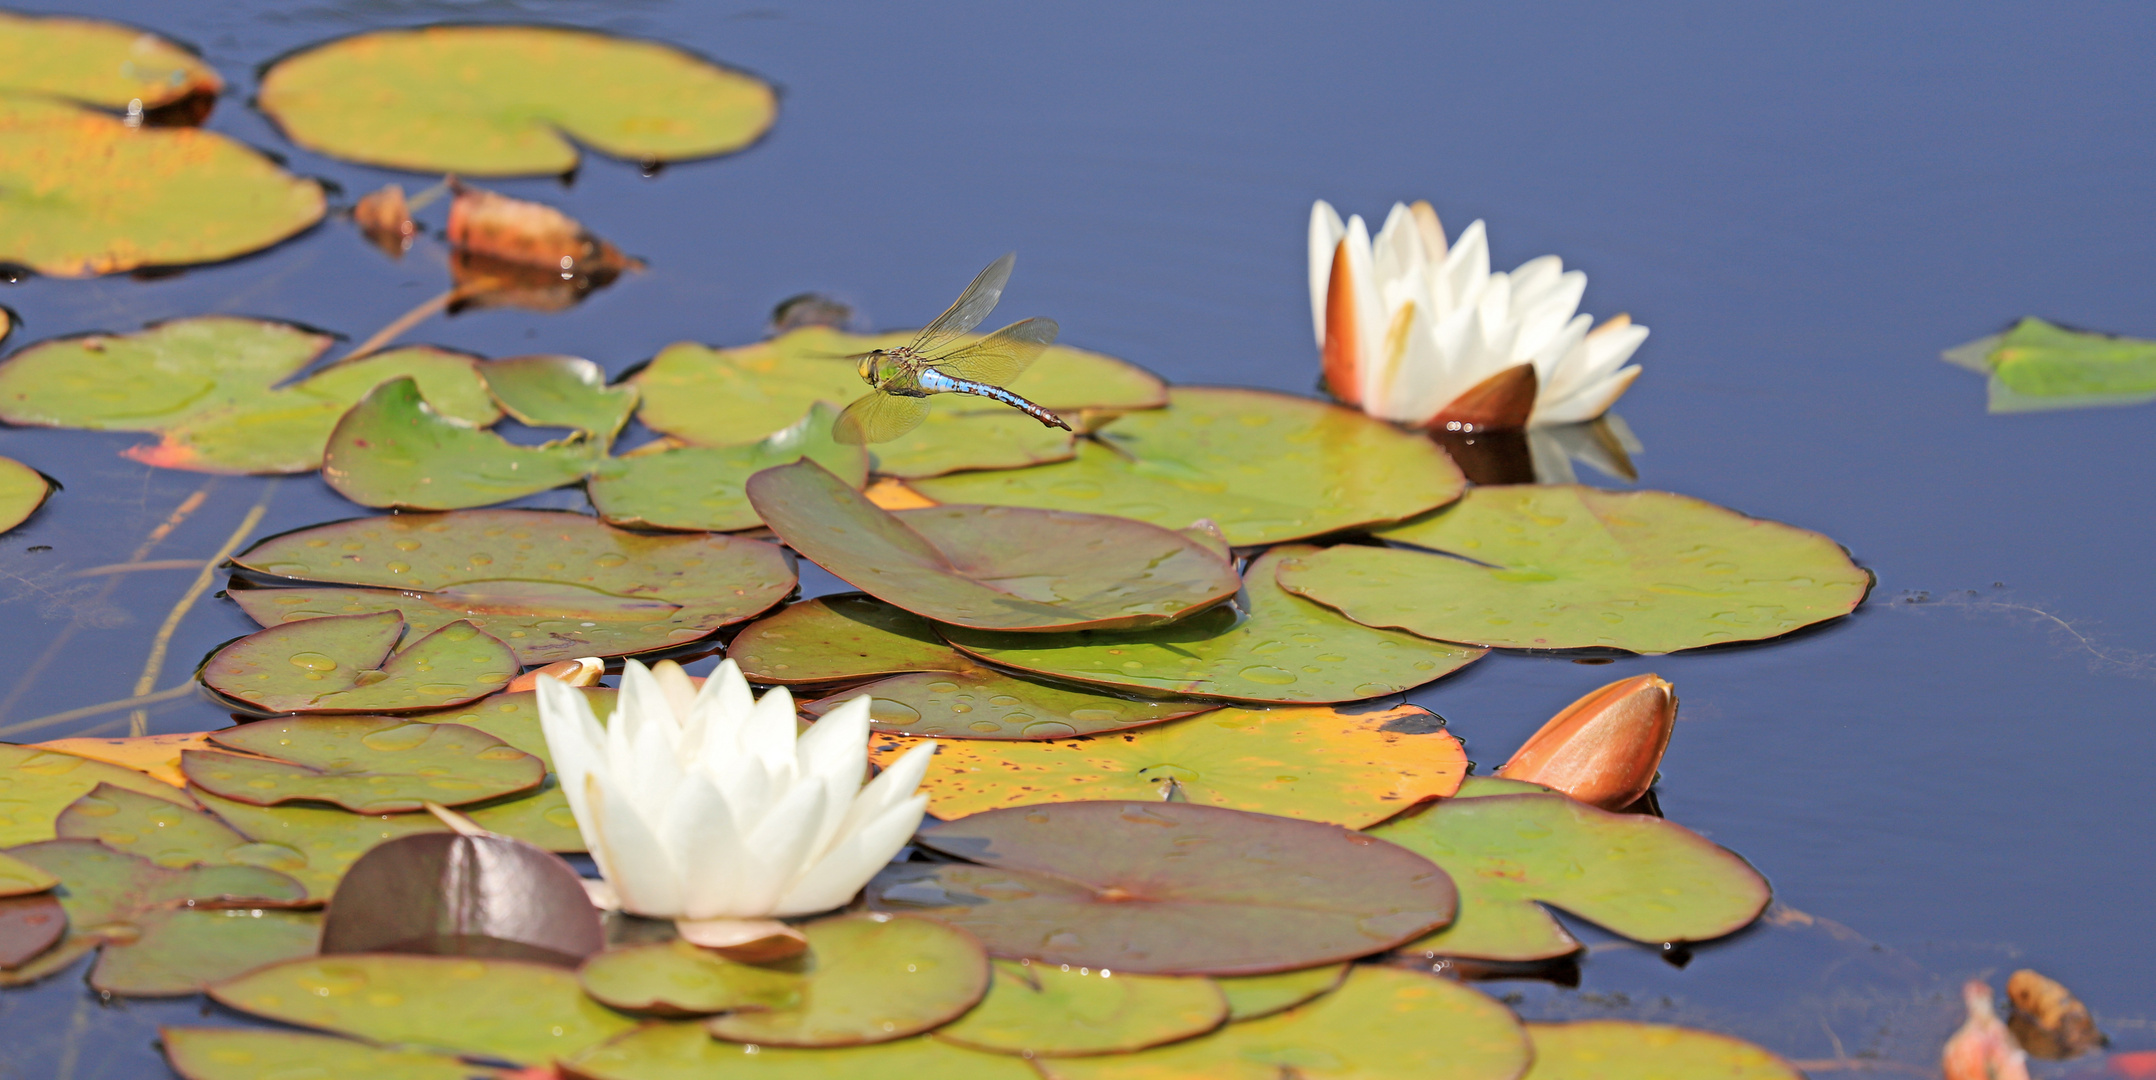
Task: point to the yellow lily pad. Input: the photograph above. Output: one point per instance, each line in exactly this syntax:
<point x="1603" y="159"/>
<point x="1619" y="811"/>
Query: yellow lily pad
<point x="98" y="63"/>
<point x="36" y="784"/>
<point x="1624" y="1050"/>
<point x="1055" y="1010"/>
<point x="22" y="490"/>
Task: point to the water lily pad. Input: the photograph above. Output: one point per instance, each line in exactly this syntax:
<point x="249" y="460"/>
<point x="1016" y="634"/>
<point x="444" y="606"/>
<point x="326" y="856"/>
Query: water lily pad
<point x="1567" y="567"/>
<point x="1264" y="467"/>
<point x="2041" y="365"/>
<point x="29" y="925"/>
<point x="22" y="490"/>
<point x="86" y="194"/>
<point x="36" y="784"/>
<point x="1253" y="996"/>
<point x="18" y="878"/>
<point x="167" y="834"/>
<point x="1623" y="1050"/>
<point x="1317" y="764"/>
<point x="1271" y="646"/>
<point x="181" y="951"/>
<point x="987" y="704"/>
<point x="98" y="63"/>
<point x="511" y="1010"/>
<point x="1638" y="877"/>
<point x="395" y="450"/>
<point x="342" y="663"/>
<point x="682" y="1051"/>
<point x="963" y="433"/>
<point x="457" y="895"/>
<point x="702" y="487"/>
<point x="1169" y="888"/>
<point x="366" y="764"/>
<point x="869" y="979"/>
<point x="676" y="978"/>
<point x="847" y="637"/>
<point x="506" y="100"/>
<point x="226" y="1053"/>
<point x="1053" y="1010"/>
<point x="323" y="841"/>
<point x="561" y="391"/>
<point x="552" y="586"/>
<point x="157" y="756"/>
<point x="514" y="717"/>
<point x="1380" y="1023"/>
<point x="105" y="888"/>
<point x="992" y="567"/>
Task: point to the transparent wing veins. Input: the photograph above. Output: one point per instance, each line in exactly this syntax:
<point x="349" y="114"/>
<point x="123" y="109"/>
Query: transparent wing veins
<point x="878" y="417"/>
<point x="1002" y="356"/>
<point x="970" y="308"/>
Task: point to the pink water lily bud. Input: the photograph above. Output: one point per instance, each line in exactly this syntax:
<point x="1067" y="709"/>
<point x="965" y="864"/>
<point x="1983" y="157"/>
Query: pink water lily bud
<point x="1983" y="1049"/>
<point x="1604" y="748"/>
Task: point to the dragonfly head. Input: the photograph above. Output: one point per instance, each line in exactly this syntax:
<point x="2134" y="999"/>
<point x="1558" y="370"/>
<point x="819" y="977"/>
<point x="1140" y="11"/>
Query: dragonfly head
<point x="871" y="363"/>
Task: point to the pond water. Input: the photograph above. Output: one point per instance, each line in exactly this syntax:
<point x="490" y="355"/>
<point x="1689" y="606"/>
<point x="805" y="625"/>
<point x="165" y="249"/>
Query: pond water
<point x="1806" y="204"/>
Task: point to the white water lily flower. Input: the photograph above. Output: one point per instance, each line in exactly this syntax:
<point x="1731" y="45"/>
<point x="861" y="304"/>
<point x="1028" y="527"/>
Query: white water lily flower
<point x="1414" y="331"/>
<point x="705" y="805"/>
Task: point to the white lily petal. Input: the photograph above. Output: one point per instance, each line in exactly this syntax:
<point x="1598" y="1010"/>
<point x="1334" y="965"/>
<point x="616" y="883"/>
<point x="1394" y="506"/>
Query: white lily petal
<point x="1590" y="402"/>
<point x="840" y="874"/>
<point x="1368" y="305"/>
<point x="629" y="853"/>
<point x="575" y="744"/>
<point x="1325" y="233"/>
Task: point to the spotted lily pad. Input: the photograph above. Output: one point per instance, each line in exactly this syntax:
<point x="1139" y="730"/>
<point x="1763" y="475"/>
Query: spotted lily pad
<point x="1053" y="1010"/>
<point x="98" y="63"/>
<point x="1264" y="467"/>
<point x="395" y="450"/>
<point x="552" y="586"/>
<point x="506" y="100"/>
<point x="987" y="704"/>
<point x="1317" y="764"/>
<point x="843" y="638"/>
<point x="1169" y="888"/>
<point x="181" y="951"/>
<point x="511" y="1010"/>
<point x="18" y="878"/>
<point x="1380" y="1023"/>
<point x="1624" y="1050"/>
<point x="991" y="567"/>
<point x="561" y="391"/>
<point x="1567" y="567"/>
<point x="702" y="487"/>
<point x="2041" y="365"/>
<point x="868" y="979"/>
<point x="22" y="490"/>
<point x="366" y="764"/>
<point x="227" y="1053"/>
<point x="36" y="784"/>
<point x="676" y="978"/>
<point x="682" y="1051"/>
<point x="1270" y="646"/>
<point x="343" y="663"/>
<point x="1638" y="877"/>
<point x="85" y="194"/>
<point x="1253" y="996"/>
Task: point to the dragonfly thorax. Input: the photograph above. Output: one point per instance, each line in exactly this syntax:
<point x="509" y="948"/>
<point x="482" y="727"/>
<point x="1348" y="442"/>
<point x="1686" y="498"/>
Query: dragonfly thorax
<point x="882" y="366"/>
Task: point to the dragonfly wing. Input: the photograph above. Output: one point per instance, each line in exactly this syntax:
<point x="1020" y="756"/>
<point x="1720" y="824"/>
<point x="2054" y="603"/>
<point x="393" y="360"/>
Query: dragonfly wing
<point x="1002" y="356"/>
<point x="970" y="308"/>
<point x="879" y="417"/>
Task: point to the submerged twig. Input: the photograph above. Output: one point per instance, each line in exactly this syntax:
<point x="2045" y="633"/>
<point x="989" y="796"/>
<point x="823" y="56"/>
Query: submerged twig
<point x="139" y="722"/>
<point x="399" y="325"/>
<point x="101" y="708"/>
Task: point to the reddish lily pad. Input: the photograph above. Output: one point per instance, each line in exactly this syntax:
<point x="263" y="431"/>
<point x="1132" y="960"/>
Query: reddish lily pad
<point x="561" y="391"/>
<point x="22" y="490"/>
<point x="395" y="450"/>
<point x="552" y="586"/>
<point x="366" y="764"/>
<point x="343" y="664"/>
<point x="675" y="978"/>
<point x="226" y="1053"/>
<point x="703" y="487"/>
<point x="1317" y="764"/>
<point x="36" y="784"/>
<point x="987" y="704"/>
<point x="1624" y="1050"/>
<point x="18" y="878"/>
<point x="1271" y="646"/>
<point x="844" y="638"/>
<point x="1253" y="996"/>
<point x="181" y="951"/>
<point x="1638" y="877"/>
<point x="992" y="568"/>
<point x="1054" y="1010"/>
<point x="99" y="63"/>
<point x="29" y="925"/>
<point x="1169" y="888"/>
<point x="461" y="895"/>
<point x="682" y="1051"/>
<point x="869" y="979"/>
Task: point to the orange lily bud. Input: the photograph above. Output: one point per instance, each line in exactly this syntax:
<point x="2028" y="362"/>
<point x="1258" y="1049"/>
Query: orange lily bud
<point x="1983" y="1049"/>
<point x="1342" y="353"/>
<point x="583" y="671"/>
<point x="1604" y="748"/>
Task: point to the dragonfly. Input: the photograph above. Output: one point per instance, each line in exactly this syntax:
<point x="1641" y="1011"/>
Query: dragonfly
<point x="903" y="378"/>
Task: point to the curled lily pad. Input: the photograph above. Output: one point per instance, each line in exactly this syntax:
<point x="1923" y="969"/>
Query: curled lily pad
<point x="987" y="704"/>
<point x="36" y="784"/>
<point x="1624" y="1050"/>
<point x="84" y="193"/>
<point x="99" y="63"/>
<point x="395" y="450"/>
<point x="343" y="663"/>
<point x="1313" y="763"/>
<point x="552" y="586"/>
<point x="1381" y="1022"/>
<point x="676" y="978"/>
<point x="682" y="1051"/>
<point x="366" y="764"/>
<point x="1271" y="646"/>
<point x="1169" y="888"/>
<point x="1638" y="877"/>
<point x="22" y="490"/>
<point x="1568" y="567"/>
<point x="991" y="567"/>
<point x="511" y="1010"/>
<point x="869" y="979"/>
<point x="226" y="1053"/>
<point x="1264" y="467"/>
<point x="702" y="487"/>
<point x="842" y="638"/>
<point x="29" y="925"/>
<point x="561" y="391"/>
<point x="18" y="878"/>
<point x="1053" y="1010"/>
<point x="1253" y="996"/>
<point x="180" y="951"/>
<point x="2041" y="365"/>
<point x="462" y="895"/>
<point x="506" y="100"/>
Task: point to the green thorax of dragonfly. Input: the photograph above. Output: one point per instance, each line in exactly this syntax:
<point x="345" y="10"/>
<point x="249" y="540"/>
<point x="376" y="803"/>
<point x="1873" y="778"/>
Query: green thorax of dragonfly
<point x="894" y="371"/>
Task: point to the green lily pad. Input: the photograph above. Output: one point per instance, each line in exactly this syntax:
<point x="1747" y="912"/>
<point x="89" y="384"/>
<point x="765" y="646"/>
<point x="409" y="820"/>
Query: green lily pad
<point x="676" y="978"/>
<point x="1638" y="877"/>
<point x="506" y="100"/>
<point x="516" y="1011"/>
<point x="323" y="841"/>
<point x="985" y="704"/>
<point x="682" y="1051"/>
<point x="86" y="194"/>
<point x="1253" y="996"/>
<point x="226" y="1053"/>
<point x="962" y="433"/>
<point x="22" y="490"/>
<point x="205" y="384"/>
<point x="342" y="663"/>
<point x="366" y="764"/>
<point x="18" y="878"/>
<point x="171" y="835"/>
<point x="1053" y="1010"/>
<point x="2040" y="365"/>
<point x="104" y="888"/>
<point x="181" y="951"/>
<point x="1313" y="763"/>
<point x="395" y="450"/>
<point x="98" y="63"/>
<point x="561" y="391"/>
<point x="1623" y="1050"/>
<point x="1169" y="888"/>
<point x="552" y="586"/>
<point x="1569" y="567"/>
<point x="36" y="784"/>
<point x="869" y="979"/>
<point x="1264" y="467"/>
<point x="702" y="487"/>
<point x="1271" y="646"/>
<point x="843" y="638"/>
<point x="991" y="567"/>
<point x="514" y="718"/>
<point x="1380" y="1023"/>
